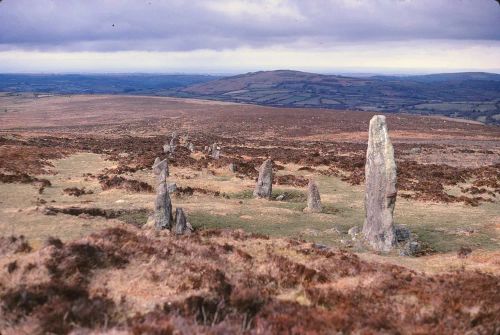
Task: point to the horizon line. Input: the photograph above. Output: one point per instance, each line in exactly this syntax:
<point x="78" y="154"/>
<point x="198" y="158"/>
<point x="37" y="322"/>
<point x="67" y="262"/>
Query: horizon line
<point x="359" y="72"/>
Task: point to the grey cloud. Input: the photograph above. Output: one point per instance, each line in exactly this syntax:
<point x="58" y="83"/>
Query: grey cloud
<point x="175" y="25"/>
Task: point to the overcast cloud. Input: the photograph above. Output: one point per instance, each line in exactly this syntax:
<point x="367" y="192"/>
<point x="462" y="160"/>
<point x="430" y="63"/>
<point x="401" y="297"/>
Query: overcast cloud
<point x="102" y="26"/>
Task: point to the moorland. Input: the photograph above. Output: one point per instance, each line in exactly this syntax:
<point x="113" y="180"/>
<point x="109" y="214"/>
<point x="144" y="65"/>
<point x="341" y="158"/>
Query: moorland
<point x="77" y="188"/>
<point x="470" y="95"/>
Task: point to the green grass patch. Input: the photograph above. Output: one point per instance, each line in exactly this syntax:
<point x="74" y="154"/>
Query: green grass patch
<point x="137" y="217"/>
<point x="290" y="195"/>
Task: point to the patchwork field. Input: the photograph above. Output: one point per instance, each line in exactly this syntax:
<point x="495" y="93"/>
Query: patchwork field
<point x="76" y="171"/>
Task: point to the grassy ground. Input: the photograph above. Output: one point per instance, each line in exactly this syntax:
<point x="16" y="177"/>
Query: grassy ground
<point x="444" y="227"/>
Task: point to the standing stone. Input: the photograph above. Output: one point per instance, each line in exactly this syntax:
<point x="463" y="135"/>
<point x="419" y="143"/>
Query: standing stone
<point x="157" y="160"/>
<point x="171" y="187"/>
<point x="181" y="226"/>
<point x="163" y="208"/>
<point x="173" y="142"/>
<point x="313" y="198"/>
<point x="167" y="148"/>
<point x="215" y="151"/>
<point x="191" y="147"/>
<point x="264" y="186"/>
<point x="232" y="167"/>
<point x="160" y="169"/>
<point x="380" y="184"/>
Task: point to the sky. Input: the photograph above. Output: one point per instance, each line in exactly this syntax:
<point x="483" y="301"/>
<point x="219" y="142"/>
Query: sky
<point x="235" y="36"/>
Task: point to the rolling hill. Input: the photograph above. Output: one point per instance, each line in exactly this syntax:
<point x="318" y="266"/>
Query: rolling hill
<point x="470" y="95"/>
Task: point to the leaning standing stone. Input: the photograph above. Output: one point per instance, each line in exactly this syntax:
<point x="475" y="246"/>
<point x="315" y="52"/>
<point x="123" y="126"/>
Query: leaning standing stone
<point x="380" y="183"/>
<point x="313" y="198"/>
<point x="163" y="208"/>
<point x="264" y="186"/>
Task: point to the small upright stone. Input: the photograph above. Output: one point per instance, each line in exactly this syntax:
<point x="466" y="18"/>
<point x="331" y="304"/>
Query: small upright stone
<point x="233" y="168"/>
<point x="160" y="169"/>
<point x="163" y="208"/>
<point x="313" y="198"/>
<point x="215" y="151"/>
<point x="173" y="142"/>
<point x="191" y="147"/>
<point x="264" y="186"/>
<point x="171" y="187"/>
<point x="380" y="184"/>
<point x="167" y="149"/>
<point x="181" y="225"/>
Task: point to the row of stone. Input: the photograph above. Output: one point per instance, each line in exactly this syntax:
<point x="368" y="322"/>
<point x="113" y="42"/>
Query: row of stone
<point x="378" y="230"/>
<point x="264" y="188"/>
<point x="380" y="189"/>
<point x="169" y="148"/>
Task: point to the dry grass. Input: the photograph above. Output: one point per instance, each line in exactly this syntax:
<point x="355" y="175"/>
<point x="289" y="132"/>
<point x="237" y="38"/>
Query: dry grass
<point x="229" y="282"/>
<point x="121" y="272"/>
<point x="438" y="225"/>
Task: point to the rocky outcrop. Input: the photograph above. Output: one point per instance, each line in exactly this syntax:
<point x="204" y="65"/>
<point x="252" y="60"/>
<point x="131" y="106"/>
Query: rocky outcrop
<point x="380" y="184"/>
<point x="264" y="186"/>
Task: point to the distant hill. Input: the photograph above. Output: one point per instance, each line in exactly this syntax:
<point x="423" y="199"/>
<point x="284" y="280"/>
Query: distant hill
<point x="471" y="95"/>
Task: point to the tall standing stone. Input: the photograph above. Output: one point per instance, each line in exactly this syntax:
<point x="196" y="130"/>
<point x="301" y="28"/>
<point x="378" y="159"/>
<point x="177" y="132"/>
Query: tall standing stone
<point x="313" y="198"/>
<point x="264" y="186"/>
<point x="163" y="208"/>
<point x="380" y="183"/>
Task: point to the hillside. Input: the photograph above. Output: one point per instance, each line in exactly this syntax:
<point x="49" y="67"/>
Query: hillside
<point x="473" y="95"/>
<point x="467" y="95"/>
